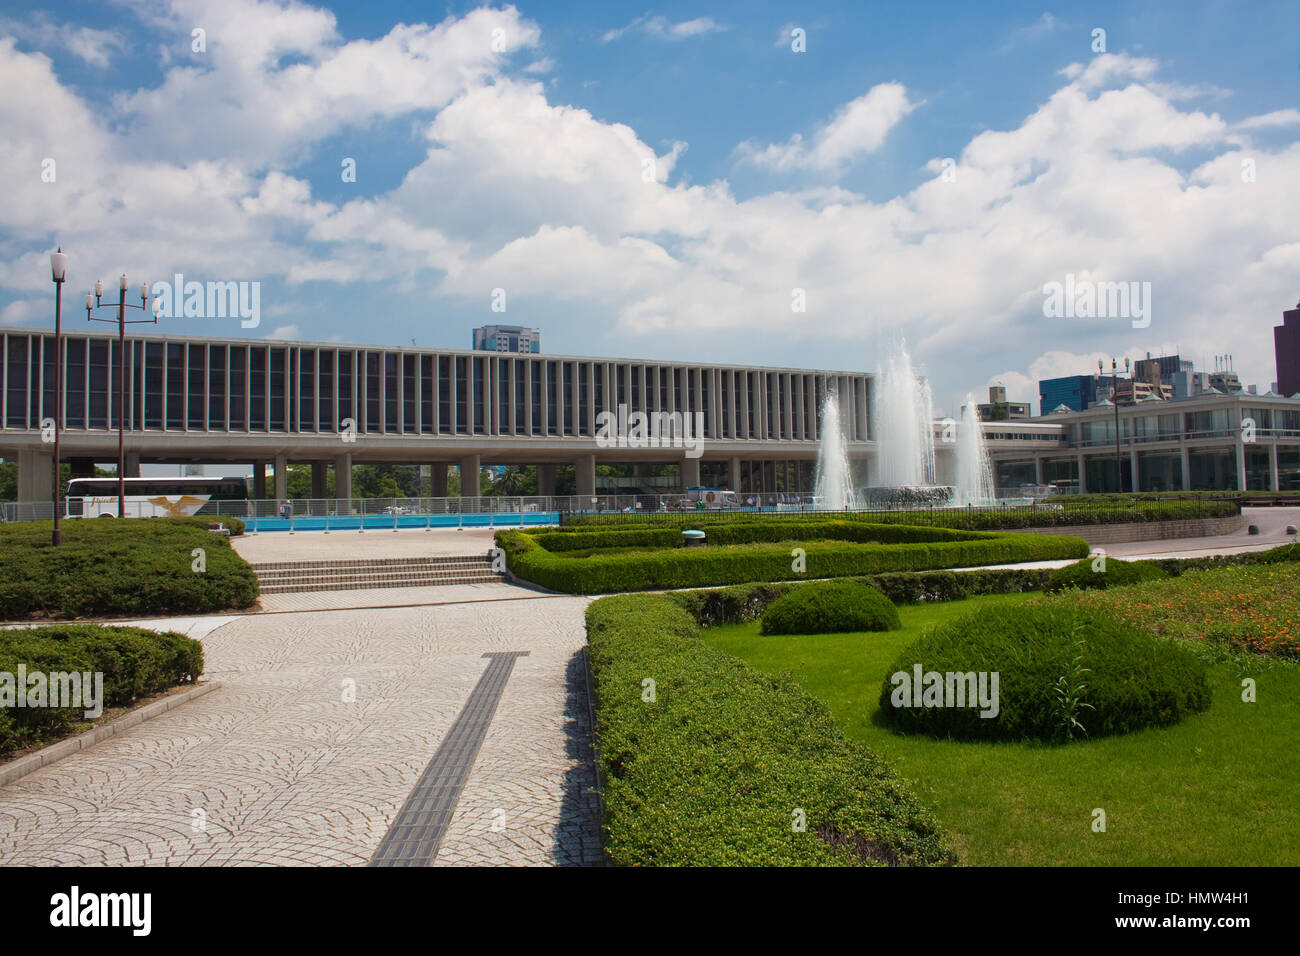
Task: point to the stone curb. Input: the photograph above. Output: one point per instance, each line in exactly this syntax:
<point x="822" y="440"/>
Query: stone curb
<point x="18" y="769"/>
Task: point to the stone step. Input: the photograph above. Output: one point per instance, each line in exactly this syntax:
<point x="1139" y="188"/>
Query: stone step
<point x="346" y="574"/>
<point x="423" y="561"/>
<point x="346" y="584"/>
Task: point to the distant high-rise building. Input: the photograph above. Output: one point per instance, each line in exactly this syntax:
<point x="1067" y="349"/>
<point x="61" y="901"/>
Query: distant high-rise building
<point x="507" y="338"/>
<point x="998" y="409"/>
<point x="1161" y="369"/>
<point x="1075" y="392"/>
<point x="1286" y="349"/>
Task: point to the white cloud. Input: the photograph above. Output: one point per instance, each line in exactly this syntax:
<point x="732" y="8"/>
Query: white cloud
<point x="39" y="30"/>
<point x="1286" y="117"/>
<point x="551" y="203"/>
<point x="857" y="128"/>
<point x="661" y="28"/>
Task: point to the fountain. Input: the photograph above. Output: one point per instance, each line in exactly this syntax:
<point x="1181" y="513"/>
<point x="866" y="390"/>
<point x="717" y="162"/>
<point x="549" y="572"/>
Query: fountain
<point x="834" y="483"/>
<point x="974" y="472"/>
<point x="903" y="426"/>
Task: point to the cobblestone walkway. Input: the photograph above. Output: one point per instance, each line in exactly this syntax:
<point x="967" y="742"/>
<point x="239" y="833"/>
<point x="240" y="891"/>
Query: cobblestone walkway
<point x="277" y="767"/>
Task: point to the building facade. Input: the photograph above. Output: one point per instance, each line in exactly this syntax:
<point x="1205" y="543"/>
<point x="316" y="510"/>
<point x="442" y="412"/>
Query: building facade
<point x="192" y="399"/>
<point x="1229" y="442"/>
<point x="1075" y="392"/>
<point x="507" y="338"/>
<point x="1286" y="350"/>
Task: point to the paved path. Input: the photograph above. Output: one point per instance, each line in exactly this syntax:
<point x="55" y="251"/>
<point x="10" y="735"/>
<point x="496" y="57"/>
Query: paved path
<point x="319" y="546"/>
<point x="276" y="767"/>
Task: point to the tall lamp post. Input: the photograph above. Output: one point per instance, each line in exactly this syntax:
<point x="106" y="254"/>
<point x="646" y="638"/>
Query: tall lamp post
<point x="58" y="272"/>
<point x="92" y="302"/>
<point x="1114" y="400"/>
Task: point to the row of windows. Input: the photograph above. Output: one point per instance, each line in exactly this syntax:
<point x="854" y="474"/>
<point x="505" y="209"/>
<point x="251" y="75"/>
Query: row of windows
<point x="179" y="385"/>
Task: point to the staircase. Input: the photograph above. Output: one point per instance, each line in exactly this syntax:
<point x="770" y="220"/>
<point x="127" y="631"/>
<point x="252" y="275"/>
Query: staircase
<point x="281" y="577"/>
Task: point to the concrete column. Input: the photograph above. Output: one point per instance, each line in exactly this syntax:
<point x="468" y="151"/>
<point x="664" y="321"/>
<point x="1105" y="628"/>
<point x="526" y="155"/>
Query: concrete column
<point x="281" y="478"/>
<point x="690" y="473"/>
<point x="1272" y="468"/>
<point x="1185" y="462"/>
<point x="259" y="479"/>
<point x="1083" y="474"/>
<point x="343" y="477"/>
<point x="546" y="480"/>
<point x="1133" y="477"/>
<point x="35" y="476"/>
<point x="470" y="466"/>
<point x="733" y="473"/>
<point x="319" y="479"/>
<point x="1241" y="463"/>
<point x="438" y="480"/>
<point x="132" y="464"/>
<point x="585" y="471"/>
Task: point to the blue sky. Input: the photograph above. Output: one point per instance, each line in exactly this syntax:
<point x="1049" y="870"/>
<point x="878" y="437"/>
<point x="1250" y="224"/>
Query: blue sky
<point x="518" y="166"/>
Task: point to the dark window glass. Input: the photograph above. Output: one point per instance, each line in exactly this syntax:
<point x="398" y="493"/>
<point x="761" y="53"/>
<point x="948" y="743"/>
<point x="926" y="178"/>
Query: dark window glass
<point x="278" y="375"/>
<point x="256" y="388"/>
<point x="153" y="384"/>
<point x="479" y="398"/>
<point x="306" y="394"/>
<point x="238" y="387"/>
<point x="217" y="387"/>
<point x="195" y="376"/>
<point x="373" y="384"/>
<point x="409" y="393"/>
<point x="325" y="402"/>
<point x="444" y="394"/>
<point x="582" y="398"/>
<point x="462" y="395"/>
<point x="392" y="391"/>
<point x="503" y="396"/>
<point x="175" y="384"/>
<point x="521" y="400"/>
<point x="346" y="411"/>
<point x="620" y="373"/>
<point x="535" y="399"/>
<point x="552" y="398"/>
<point x="16" y="382"/>
<point x="427" y="394"/>
<point x="99" y="376"/>
<point x="74" y="383"/>
<point x="45" y="347"/>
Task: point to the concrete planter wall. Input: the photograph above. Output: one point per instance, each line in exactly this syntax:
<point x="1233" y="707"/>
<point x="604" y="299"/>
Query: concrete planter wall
<point x="1149" y="530"/>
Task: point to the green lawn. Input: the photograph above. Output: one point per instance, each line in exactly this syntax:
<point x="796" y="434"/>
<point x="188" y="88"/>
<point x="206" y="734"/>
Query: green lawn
<point x="1221" y="788"/>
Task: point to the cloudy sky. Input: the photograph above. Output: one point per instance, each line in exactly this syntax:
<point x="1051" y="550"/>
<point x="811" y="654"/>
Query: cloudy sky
<point x="674" y="181"/>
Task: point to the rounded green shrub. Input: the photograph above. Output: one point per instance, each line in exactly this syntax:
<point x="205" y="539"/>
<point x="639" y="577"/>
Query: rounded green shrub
<point x="1061" y="674"/>
<point x="830" y="607"/>
<point x="1115" y="574"/>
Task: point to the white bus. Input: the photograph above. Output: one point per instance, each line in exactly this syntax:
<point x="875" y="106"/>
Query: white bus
<point x="151" y="497"/>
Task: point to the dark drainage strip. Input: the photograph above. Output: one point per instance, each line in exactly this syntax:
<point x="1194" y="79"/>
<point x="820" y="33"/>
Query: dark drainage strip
<point x="417" y="831"/>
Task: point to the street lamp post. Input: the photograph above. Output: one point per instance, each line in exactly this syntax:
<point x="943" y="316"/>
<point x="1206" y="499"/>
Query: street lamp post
<point x="92" y="302"/>
<point x="58" y="272"/>
<point x="1114" y="400"/>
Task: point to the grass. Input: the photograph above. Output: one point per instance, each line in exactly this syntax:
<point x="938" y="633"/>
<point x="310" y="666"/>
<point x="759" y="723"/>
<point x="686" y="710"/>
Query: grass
<point x="1217" y="789"/>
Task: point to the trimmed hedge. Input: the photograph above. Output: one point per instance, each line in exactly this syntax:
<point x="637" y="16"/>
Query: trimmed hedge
<point x="1063" y="672"/>
<point x="746" y="602"/>
<point x="575" y="573"/>
<point x="722" y="763"/>
<point x="120" y="567"/>
<point x="1116" y="574"/>
<point x="1064" y="511"/>
<point x="1176" y="566"/>
<point x="134" y="663"/>
<point x="830" y="607"/>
